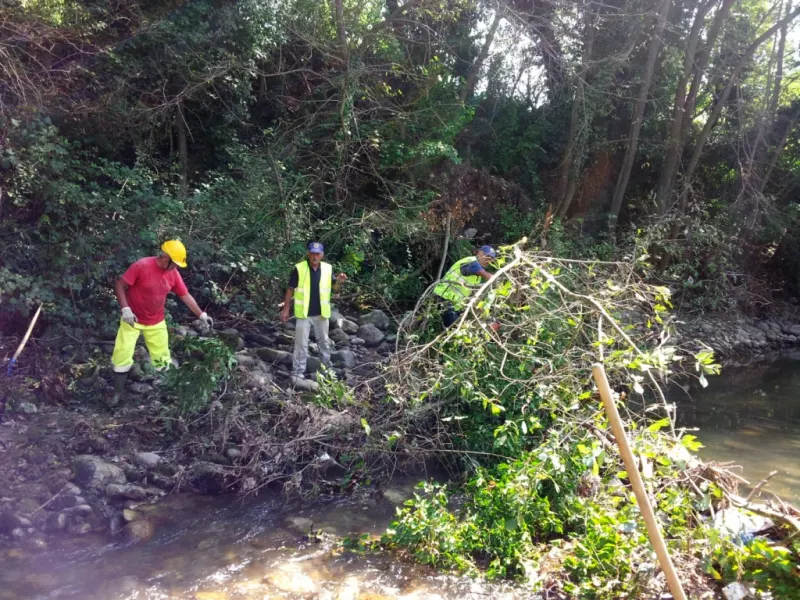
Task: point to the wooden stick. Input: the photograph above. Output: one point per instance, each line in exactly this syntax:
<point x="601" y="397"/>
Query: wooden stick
<point x="636" y="483"/>
<point x="27" y="334"/>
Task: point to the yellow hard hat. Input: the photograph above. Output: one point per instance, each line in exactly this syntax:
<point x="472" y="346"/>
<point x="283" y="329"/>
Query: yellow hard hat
<point x="176" y="251"/>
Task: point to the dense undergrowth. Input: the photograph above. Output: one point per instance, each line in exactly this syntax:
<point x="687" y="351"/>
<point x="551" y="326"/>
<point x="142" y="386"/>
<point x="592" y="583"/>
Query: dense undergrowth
<point x="545" y="495"/>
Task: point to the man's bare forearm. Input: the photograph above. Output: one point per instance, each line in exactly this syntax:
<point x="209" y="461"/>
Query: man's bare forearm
<point x="120" y="290"/>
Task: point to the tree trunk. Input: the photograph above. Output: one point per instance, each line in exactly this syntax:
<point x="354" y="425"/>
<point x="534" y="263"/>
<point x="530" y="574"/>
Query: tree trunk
<point x="183" y="154"/>
<point x="773" y="107"/>
<point x="475" y="69"/>
<point x="638" y="112"/>
<point x="684" y="106"/>
<point x="566" y="183"/>
<point x="722" y="100"/>
<point x="341" y="35"/>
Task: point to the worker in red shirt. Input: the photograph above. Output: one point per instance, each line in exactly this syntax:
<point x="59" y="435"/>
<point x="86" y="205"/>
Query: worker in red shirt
<point x="141" y="293"/>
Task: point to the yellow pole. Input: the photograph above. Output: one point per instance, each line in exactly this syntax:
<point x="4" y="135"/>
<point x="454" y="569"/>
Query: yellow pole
<point x="636" y="483"/>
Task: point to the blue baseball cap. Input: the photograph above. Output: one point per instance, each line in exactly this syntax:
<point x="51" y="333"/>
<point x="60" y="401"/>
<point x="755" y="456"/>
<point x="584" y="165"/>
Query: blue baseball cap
<point x="316" y="247"/>
<point x="488" y="251"/>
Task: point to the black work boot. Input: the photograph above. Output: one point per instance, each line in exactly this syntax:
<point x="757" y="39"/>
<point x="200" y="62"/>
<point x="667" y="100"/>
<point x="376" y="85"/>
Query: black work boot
<point x="119" y="389"/>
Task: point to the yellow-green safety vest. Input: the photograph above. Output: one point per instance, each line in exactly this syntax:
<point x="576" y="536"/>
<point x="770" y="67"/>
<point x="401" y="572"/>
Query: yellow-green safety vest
<point x="456" y="287"/>
<point x="302" y="295"/>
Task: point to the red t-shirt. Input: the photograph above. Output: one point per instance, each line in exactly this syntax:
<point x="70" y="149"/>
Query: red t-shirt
<point x="149" y="286"/>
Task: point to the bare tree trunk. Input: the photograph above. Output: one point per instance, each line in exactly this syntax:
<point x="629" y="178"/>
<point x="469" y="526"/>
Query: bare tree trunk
<point x="183" y="154"/>
<point x="638" y="112"/>
<point x="773" y="107"/>
<point x="475" y="69"/>
<point x="722" y="100"/>
<point x="338" y="6"/>
<point x="566" y="183"/>
<point x="684" y="106"/>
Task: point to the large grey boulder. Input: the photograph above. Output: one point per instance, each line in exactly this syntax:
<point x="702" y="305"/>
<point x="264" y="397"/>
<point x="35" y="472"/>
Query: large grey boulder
<point x="378" y="318"/>
<point x="339" y="337"/>
<point x="93" y="472"/>
<point x="305" y="385"/>
<point x="344" y="358"/>
<point x="231" y="338"/>
<point x="125" y="492"/>
<point x="349" y="327"/>
<point x="147" y="460"/>
<point x="274" y="356"/>
<point x="371" y="335"/>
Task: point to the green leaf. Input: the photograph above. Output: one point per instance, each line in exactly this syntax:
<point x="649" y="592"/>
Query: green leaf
<point x="658" y="425"/>
<point x="366" y="426"/>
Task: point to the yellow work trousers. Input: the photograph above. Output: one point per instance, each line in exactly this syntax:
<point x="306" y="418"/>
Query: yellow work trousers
<point x="156" y="339"/>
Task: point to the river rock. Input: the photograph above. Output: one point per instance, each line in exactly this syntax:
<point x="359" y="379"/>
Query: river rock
<point x="127" y="492"/>
<point x="357" y="341"/>
<point x="64" y="501"/>
<point x="256" y="380"/>
<point x="92" y="445"/>
<point x="233" y="453"/>
<point x="27" y="506"/>
<point x="210" y="478"/>
<point x="300" y="525"/>
<point x="289" y="578"/>
<point x="93" y="472"/>
<point x="344" y="358"/>
<point x="140" y="388"/>
<point x="737" y="591"/>
<point x="147" y="460"/>
<point x="384" y="348"/>
<point x="245" y="360"/>
<point x="81" y="528"/>
<point x="349" y="327"/>
<point x="378" y="318"/>
<point x="371" y="335"/>
<point x="305" y="385"/>
<point x="231" y="339"/>
<point x="56" y="522"/>
<point x="26" y="408"/>
<point x="10" y="521"/>
<point x="339" y="337"/>
<point x="81" y="510"/>
<point x="313" y="364"/>
<point x="271" y="355"/>
<point x="139" y="530"/>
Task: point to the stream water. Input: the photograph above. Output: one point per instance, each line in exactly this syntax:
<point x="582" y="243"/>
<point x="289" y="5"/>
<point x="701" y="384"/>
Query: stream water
<point x="221" y="548"/>
<point x="750" y="416"/>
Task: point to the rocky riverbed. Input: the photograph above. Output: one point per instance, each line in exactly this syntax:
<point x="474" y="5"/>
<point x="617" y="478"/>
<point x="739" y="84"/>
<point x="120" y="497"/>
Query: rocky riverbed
<point x="76" y="467"/>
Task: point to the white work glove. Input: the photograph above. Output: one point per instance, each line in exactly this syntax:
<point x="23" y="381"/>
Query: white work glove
<point x="128" y="316"/>
<point x="206" y="320"/>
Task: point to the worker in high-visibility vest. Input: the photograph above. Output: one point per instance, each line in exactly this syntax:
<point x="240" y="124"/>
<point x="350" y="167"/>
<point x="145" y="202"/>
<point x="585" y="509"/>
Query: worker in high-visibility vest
<point x="141" y="293"/>
<point x="461" y="280"/>
<point x="310" y="286"/>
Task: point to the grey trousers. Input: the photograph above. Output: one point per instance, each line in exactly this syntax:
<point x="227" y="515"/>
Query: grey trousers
<point x="301" y="332"/>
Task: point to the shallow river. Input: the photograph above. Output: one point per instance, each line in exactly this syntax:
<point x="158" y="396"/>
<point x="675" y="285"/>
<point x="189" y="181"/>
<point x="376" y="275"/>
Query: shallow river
<point x="221" y="548"/>
<point x="750" y="416"/>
